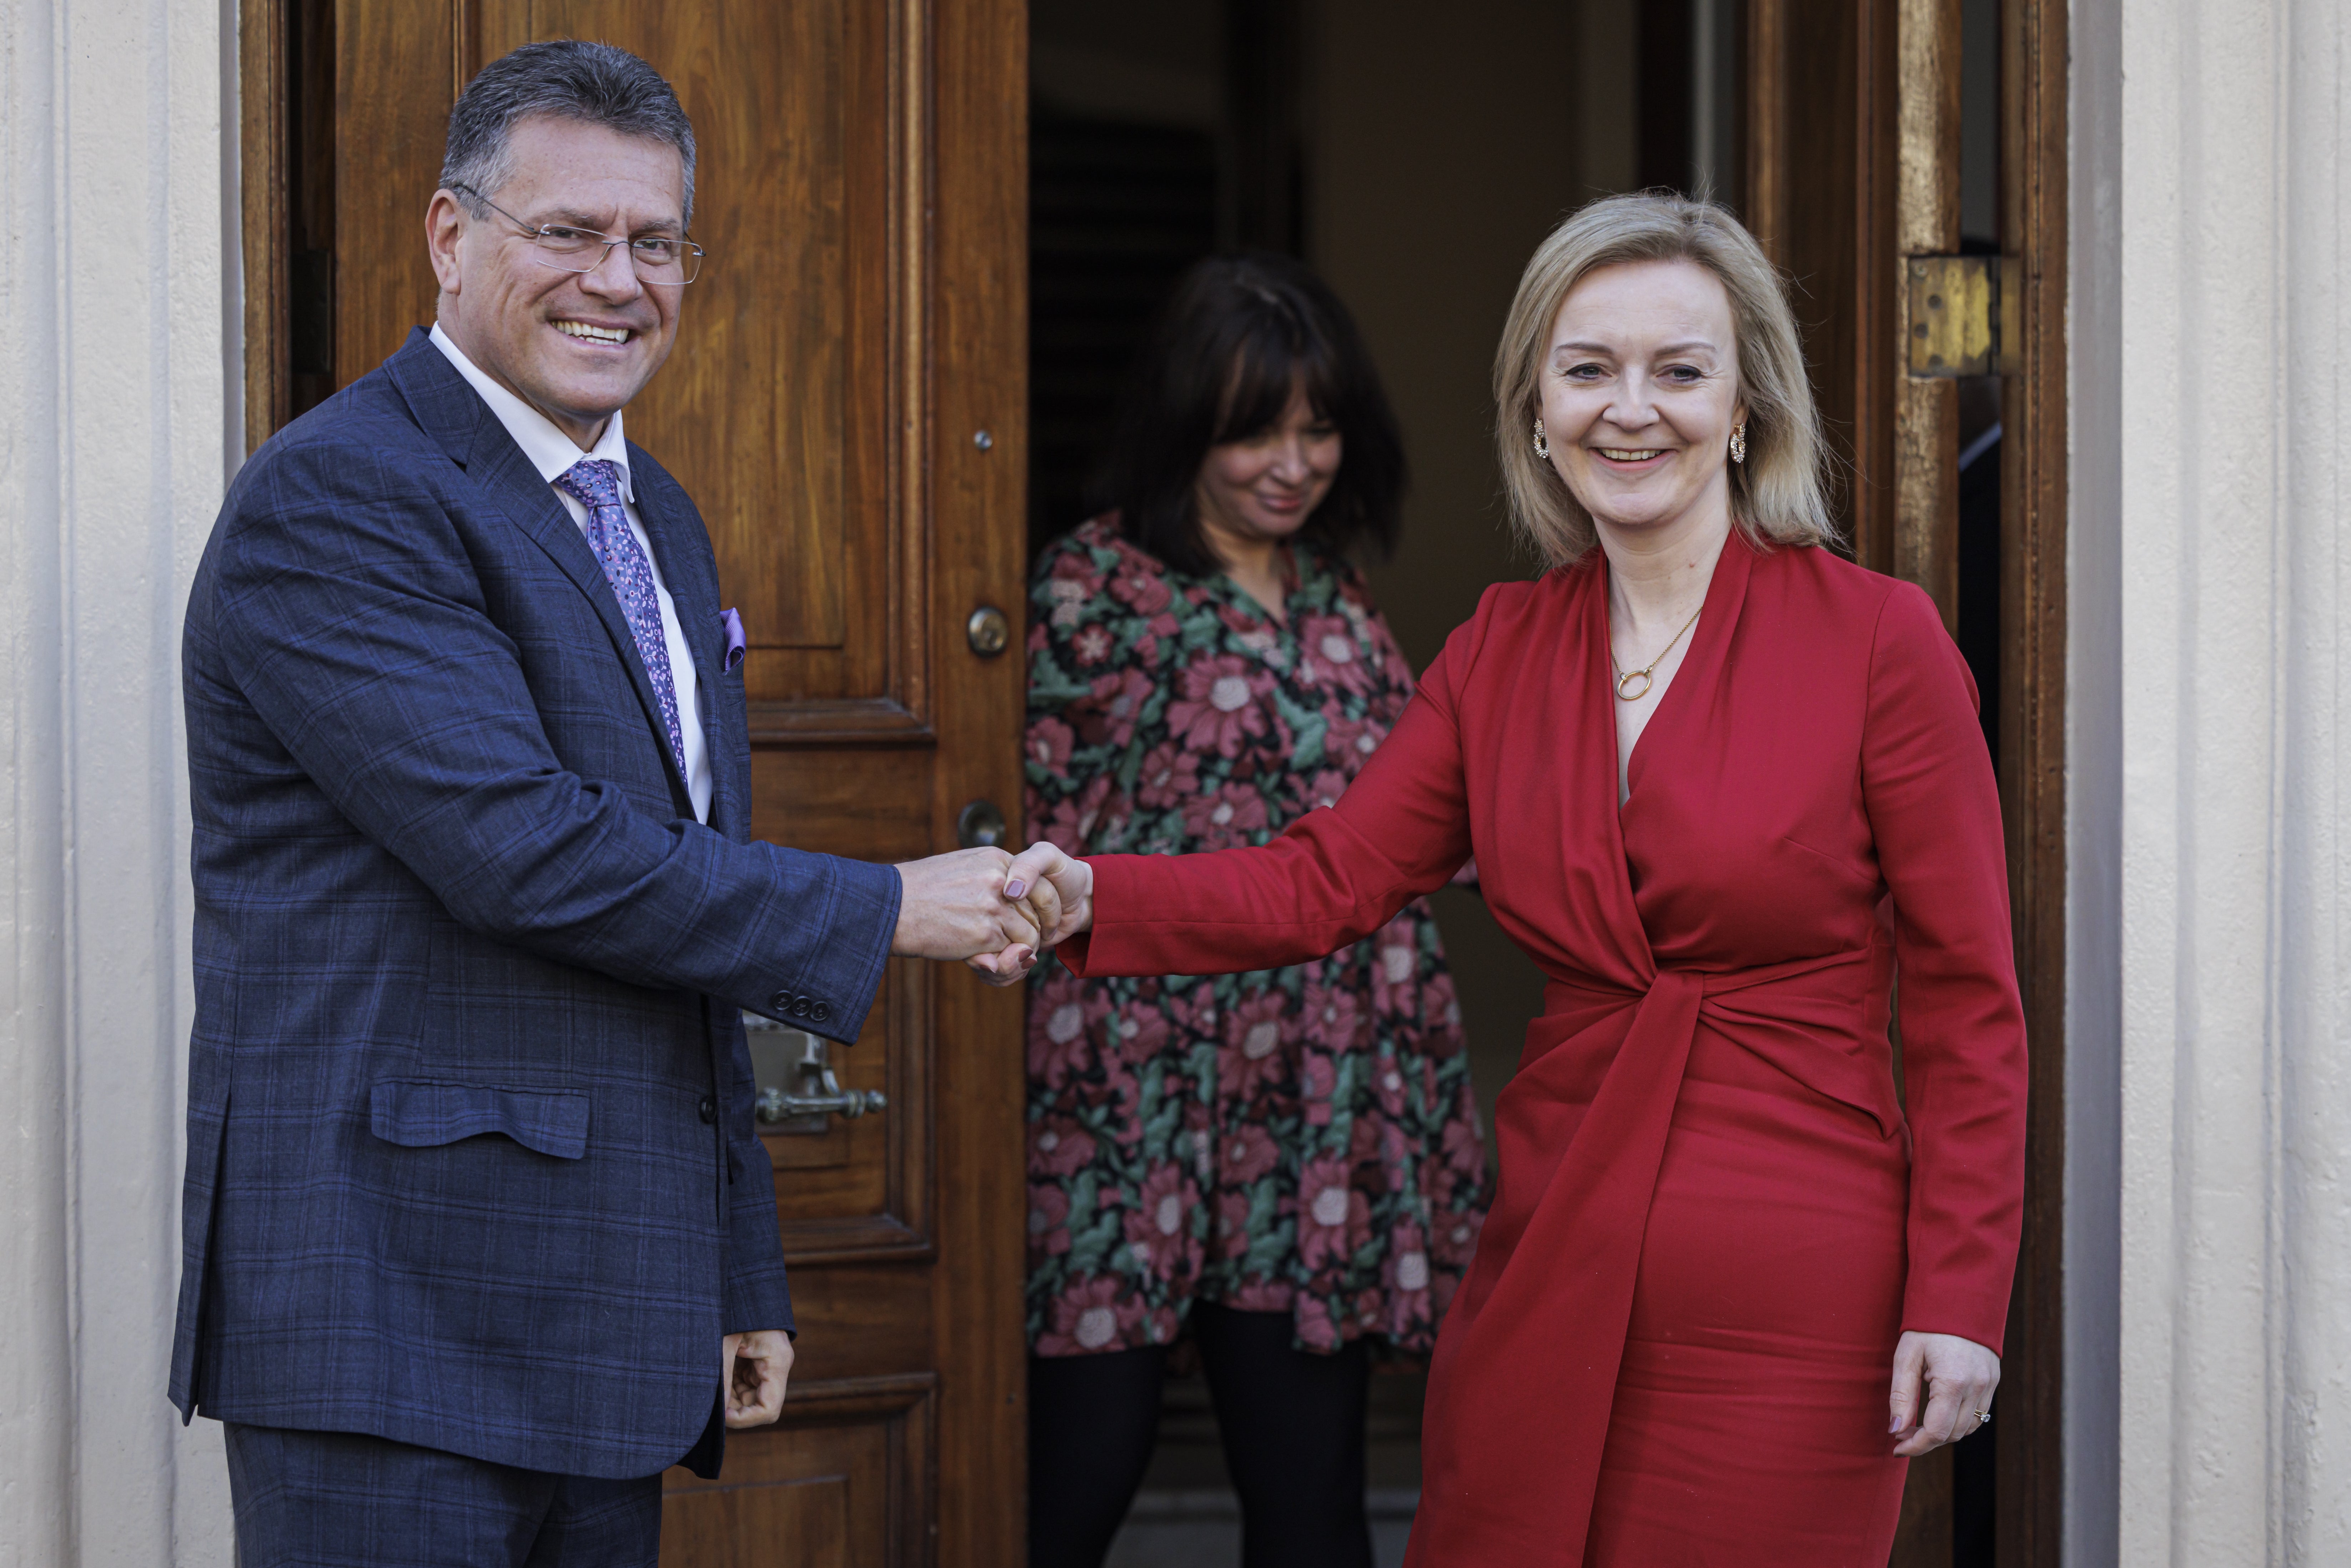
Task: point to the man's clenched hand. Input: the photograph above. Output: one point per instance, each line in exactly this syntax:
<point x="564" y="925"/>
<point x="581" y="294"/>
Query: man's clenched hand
<point x="756" y="1367"/>
<point x="954" y="907"/>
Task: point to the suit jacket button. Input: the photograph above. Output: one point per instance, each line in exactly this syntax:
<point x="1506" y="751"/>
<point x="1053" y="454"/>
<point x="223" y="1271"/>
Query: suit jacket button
<point x="780" y="1003"/>
<point x="820" y="1013"/>
<point x="708" y="1109"/>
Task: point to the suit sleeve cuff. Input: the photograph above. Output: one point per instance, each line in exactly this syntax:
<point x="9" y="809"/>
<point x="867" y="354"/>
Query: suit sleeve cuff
<point x="834" y="994"/>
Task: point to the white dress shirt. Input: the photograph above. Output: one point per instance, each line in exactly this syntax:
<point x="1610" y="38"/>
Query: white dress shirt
<point x="552" y="453"/>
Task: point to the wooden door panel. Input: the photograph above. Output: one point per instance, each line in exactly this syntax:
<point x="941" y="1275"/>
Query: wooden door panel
<point x="864" y="1185"/>
<point x="846" y="403"/>
<point x="756" y="425"/>
<point x="832" y="1489"/>
<point x="1820" y="182"/>
<point x="780" y="422"/>
<point x="397" y="68"/>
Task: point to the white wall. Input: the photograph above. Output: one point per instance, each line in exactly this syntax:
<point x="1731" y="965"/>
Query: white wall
<point x="2210" y="740"/>
<point x="115" y="437"/>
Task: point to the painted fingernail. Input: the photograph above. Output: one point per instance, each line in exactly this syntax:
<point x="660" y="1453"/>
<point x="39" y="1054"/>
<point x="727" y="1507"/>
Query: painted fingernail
<point x="1015" y="888"/>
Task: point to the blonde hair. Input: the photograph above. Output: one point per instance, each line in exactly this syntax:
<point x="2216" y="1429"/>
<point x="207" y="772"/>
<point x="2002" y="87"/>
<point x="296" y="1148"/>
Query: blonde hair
<point x="1778" y="495"/>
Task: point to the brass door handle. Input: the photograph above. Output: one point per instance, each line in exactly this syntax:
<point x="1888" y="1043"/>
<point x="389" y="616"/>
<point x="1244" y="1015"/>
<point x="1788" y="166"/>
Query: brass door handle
<point x="798" y="1091"/>
<point x="775" y="1106"/>
<point x="987" y="631"/>
<point x="980" y="823"/>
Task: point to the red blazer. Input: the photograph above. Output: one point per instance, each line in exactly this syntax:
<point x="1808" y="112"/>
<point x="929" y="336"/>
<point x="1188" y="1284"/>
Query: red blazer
<point x="1810" y="805"/>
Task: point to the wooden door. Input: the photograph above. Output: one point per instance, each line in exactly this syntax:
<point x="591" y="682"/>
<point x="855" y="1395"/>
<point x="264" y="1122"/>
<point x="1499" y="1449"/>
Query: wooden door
<point x="846" y="403"/>
<point x="1853" y="186"/>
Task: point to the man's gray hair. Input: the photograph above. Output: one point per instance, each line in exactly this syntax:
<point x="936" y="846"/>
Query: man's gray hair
<point x="594" y="84"/>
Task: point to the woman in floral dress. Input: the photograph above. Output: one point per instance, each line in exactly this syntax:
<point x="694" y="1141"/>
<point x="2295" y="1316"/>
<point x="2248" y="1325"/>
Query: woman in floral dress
<point x="1282" y="1165"/>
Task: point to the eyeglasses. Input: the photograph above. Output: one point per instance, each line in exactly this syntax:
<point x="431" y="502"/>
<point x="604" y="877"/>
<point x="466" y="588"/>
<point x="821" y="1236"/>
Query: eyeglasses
<point x="656" y="257"/>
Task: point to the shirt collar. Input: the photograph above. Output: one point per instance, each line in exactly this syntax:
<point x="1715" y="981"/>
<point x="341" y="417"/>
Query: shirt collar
<point x="548" y="450"/>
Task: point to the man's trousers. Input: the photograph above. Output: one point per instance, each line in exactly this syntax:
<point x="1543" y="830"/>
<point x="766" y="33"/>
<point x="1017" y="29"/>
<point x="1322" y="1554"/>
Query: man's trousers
<point x="343" y="1499"/>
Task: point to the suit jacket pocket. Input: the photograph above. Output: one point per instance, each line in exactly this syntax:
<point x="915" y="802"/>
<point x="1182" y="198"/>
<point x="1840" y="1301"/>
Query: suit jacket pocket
<point x="417" y="1114"/>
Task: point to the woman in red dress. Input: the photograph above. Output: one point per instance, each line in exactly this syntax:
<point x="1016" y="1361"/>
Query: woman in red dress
<point x="1721" y="785"/>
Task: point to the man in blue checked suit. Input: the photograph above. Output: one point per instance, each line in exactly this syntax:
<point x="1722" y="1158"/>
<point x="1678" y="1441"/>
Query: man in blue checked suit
<point x="479" y="1236"/>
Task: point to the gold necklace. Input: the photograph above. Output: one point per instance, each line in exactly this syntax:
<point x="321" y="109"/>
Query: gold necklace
<point x="1626" y="678"/>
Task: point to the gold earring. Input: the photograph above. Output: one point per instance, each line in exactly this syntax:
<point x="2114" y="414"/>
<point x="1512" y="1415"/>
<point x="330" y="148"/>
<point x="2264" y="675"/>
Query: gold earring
<point x="1739" y="444"/>
<point x="1542" y="447"/>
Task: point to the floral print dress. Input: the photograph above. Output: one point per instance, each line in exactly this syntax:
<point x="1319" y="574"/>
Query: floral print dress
<point x="1302" y="1140"/>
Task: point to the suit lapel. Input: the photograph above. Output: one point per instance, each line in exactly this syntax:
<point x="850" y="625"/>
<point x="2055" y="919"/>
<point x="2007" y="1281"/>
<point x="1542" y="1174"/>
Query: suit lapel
<point x="694" y="591"/>
<point x="455" y="416"/>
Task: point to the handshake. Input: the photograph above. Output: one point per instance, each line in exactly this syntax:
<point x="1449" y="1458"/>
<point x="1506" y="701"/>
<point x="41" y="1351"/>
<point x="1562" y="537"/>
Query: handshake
<point x="995" y="911"/>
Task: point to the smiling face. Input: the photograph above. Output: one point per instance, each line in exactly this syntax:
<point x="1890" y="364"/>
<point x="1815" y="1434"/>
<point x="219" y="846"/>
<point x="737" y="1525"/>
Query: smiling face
<point x="1264" y="487"/>
<point x="1640" y="392"/>
<point x="576" y="346"/>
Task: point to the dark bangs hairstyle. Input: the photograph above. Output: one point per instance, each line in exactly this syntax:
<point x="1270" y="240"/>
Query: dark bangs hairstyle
<point x="1235" y="335"/>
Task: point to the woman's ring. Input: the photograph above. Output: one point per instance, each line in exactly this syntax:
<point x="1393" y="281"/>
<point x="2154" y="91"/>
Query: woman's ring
<point x="1983" y="1417"/>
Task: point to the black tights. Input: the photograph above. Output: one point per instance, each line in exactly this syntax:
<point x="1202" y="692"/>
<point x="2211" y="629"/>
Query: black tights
<point x="1293" y="1424"/>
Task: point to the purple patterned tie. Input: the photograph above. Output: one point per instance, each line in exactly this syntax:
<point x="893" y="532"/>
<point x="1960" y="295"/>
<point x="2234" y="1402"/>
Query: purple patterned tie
<point x="595" y="483"/>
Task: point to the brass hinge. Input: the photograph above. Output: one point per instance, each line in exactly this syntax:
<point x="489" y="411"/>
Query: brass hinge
<point x="1956" y="309"/>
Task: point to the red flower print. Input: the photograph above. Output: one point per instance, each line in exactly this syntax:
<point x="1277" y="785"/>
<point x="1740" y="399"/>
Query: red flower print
<point x="1255" y="1033"/>
<point x="1069" y="821"/>
<point x="1323" y="789"/>
<point x="1348" y="743"/>
<point x="1091" y="645"/>
<point x="1437" y="1003"/>
<point x="1059" y="1146"/>
<point x="1330" y="657"/>
<point x="1225" y="818"/>
<point x="1396" y="967"/>
<point x="1090" y="1316"/>
<point x="1454" y="1238"/>
<point x="1156" y="630"/>
<point x="1202" y="1145"/>
<point x="1334" y="1220"/>
<point x="1333" y="1017"/>
<point x="1072" y="583"/>
<point x="1141" y="1032"/>
<point x="1063" y="1016"/>
<point x="1158" y="1223"/>
<point x="1232" y="1238"/>
<point x="1115" y="1089"/>
<point x="1407" y="1268"/>
<point x="1311" y="1146"/>
<point x="1048" y="1221"/>
<point x="1259" y="1295"/>
<point x="1107" y="713"/>
<point x="1048" y="743"/>
<point x="1465" y="1148"/>
<point x="1139" y="588"/>
<point x="1218" y="705"/>
<point x="1382" y="650"/>
<point x="1195" y="1008"/>
<point x="1247" y="1153"/>
<point x="1315" y="1329"/>
<point x="1318" y="1075"/>
<point x="1167" y="778"/>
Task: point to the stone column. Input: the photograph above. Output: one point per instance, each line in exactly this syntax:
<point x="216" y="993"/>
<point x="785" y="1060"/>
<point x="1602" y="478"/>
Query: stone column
<point x="2213" y="496"/>
<point x="116" y="135"/>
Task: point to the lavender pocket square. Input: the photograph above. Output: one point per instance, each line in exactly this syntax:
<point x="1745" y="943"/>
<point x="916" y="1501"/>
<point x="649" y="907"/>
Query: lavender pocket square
<point x="735" y="643"/>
